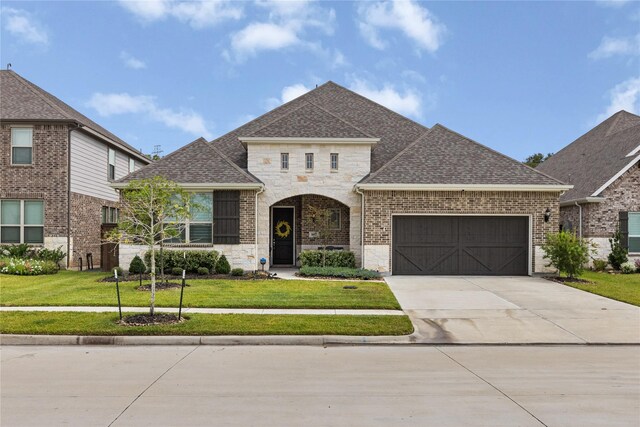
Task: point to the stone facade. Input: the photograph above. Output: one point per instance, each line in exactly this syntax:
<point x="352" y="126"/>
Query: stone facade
<point x="264" y="163"/>
<point x="381" y="205"/>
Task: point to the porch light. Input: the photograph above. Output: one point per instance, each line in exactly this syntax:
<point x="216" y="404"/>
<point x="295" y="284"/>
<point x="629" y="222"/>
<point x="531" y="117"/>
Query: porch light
<point x="547" y="215"/>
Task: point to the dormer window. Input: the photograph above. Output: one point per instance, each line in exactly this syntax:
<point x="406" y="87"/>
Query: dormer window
<point x="308" y="161"/>
<point x="334" y="161"/>
<point x="284" y="161"/>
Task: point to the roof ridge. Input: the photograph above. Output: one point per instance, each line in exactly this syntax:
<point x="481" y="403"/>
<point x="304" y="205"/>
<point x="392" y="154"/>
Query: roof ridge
<point x="511" y="159"/>
<point x="228" y="160"/>
<point x="619" y="116"/>
<point x="38" y="93"/>
<point x="393" y="159"/>
<point x="341" y="119"/>
<point x="405" y="118"/>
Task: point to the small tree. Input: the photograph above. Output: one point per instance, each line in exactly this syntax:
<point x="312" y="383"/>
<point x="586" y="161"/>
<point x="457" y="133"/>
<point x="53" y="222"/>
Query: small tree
<point x="318" y="221"/>
<point x="535" y="159"/>
<point x="152" y="211"/>
<point x="618" y="254"/>
<point x="137" y="266"/>
<point x="566" y="252"/>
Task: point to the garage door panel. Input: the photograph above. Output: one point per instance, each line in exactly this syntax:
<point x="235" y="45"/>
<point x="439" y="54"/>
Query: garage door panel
<point x="446" y="245"/>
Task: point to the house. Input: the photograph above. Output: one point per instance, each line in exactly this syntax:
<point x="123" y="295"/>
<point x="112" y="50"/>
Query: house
<point x="55" y="169"/>
<point x="406" y="199"/>
<point x="604" y="167"/>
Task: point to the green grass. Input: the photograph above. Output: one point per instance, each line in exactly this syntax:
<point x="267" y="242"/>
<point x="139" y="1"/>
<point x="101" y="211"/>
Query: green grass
<point x="72" y="288"/>
<point x="74" y="323"/>
<point x="621" y="287"/>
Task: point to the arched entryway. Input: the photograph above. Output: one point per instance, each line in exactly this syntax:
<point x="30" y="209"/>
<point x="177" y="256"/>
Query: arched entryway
<point x="308" y="221"/>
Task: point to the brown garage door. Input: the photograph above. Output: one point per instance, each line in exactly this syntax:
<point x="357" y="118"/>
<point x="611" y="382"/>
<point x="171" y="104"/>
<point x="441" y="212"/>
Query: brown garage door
<point x="471" y="245"/>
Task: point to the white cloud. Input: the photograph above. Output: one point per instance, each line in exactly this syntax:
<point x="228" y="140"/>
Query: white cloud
<point x="198" y="14"/>
<point x="131" y="61"/>
<point x="610" y="46"/>
<point x="109" y="104"/>
<point x="415" y="21"/>
<point x="624" y="96"/>
<point x="287" y="25"/>
<point x="23" y="26"/>
<point x="612" y="3"/>
<point x="288" y="93"/>
<point x="407" y="102"/>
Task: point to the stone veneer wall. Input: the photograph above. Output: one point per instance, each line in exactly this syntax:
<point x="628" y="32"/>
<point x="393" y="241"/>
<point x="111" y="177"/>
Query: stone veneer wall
<point x="380" y="205"/>
<point x="86" y="221"/>
<point x="247" y="216"/>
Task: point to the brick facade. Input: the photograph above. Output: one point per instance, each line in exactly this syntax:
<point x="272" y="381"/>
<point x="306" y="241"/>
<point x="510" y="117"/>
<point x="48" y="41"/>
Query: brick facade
<point x="380" y="205"/>
<point x="86" y="221"/>
<point x="45" y="179"/>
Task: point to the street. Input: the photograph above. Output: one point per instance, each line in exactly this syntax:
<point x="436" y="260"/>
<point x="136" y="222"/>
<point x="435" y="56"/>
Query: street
<point x="316" y="386"/>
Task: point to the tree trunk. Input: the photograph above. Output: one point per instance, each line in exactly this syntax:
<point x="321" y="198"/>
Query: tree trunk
<point x="153" y="281"/>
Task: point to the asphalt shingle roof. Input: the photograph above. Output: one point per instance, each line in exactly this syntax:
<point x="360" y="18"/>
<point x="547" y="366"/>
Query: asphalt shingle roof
<point x="198" y="162"/>
<point x="442" y="156"/>
<point x="597" y="156"/>
<point x="22" y="100"/>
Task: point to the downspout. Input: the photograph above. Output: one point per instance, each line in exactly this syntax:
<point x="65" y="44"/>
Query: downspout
<point x="580" y="219"/>
<point x="357" y="190"/>
<point x="255" y="221"/>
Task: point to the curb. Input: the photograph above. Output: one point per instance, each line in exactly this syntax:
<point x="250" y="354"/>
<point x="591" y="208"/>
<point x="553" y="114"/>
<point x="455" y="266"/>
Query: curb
<point x="255" y="340"/>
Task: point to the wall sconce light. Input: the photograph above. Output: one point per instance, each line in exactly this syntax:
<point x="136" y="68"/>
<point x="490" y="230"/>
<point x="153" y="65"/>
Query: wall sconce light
<point x="547" y="215"/>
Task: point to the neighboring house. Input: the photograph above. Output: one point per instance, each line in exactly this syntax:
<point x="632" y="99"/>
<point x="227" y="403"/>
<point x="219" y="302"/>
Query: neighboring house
<point x="55" y="169"/>
<point x="404" y="198"/>
<point x="604" y="167"/>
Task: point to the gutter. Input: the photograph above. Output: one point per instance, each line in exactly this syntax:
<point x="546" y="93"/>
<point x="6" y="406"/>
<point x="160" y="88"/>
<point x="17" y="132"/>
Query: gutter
<point x="205" y="186"/>
<point x="582" y="201"/>
<point x="463" y="187"/>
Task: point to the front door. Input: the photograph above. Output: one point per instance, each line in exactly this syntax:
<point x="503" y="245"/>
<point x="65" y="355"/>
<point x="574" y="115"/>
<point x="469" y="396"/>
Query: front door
<point x="282" y="234"/>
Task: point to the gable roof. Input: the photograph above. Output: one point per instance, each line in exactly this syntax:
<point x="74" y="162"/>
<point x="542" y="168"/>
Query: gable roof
<point x="445" y="158"/>
<point x="394" y="130"/>
<point x="309" y="121"/>
<point x="195" y="163"/>
<point x="593" y="160"/>
<point x="24" y="101"/>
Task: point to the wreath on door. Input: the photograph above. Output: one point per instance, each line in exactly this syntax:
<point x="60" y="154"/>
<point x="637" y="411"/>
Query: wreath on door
<point x="283" y="229"/>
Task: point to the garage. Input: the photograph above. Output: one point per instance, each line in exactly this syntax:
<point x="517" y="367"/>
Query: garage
<point x="460" y="245"/>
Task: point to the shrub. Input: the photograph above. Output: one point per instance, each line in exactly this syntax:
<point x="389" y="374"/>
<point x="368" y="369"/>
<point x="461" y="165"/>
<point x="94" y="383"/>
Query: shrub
<point x="566" y="252"/>
<point x="628" y="268"/>
<point x="313" y="258"/>
<point x="341" y="272"/>
<point x="618" y="255"/>
<point x="18" y="251"/>
<point x="119" y="270"/>
<point x="137" y="266"/>
<point x="53" y="255"/>
<point x="23" y="251"/>
<point x="222" y="266"/>
<point x="638" y="265"/>
<point x="176" y="271"/>
<point x="27" y="267"/>
<point x="203" y="271"/>
<point x="191" y="263"/>
<point x="600" y="264"/>
<point x="237" y="272"/>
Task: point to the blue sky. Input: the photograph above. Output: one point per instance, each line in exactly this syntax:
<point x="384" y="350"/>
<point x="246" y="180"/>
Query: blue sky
<point x="518" y="77"/>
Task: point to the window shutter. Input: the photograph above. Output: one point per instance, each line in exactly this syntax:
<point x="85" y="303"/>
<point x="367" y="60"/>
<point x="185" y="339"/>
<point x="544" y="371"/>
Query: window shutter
<point x="226" y="217"/>
<point x="623" y="226"/>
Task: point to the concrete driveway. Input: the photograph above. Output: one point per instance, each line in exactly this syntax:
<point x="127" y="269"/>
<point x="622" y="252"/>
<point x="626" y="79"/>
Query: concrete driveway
<point x="511" y="310"/>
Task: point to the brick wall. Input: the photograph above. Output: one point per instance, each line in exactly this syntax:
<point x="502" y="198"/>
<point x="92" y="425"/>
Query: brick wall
<point x="86" y="220"/>
<point x="380" y="205"/>
<point x="45" y="179"/>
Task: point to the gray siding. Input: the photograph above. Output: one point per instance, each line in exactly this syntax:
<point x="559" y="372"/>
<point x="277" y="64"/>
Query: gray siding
<point x="89" y="160"/>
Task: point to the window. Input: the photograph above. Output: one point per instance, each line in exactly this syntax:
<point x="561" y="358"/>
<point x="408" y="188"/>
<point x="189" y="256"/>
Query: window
<point x="132" y="165"/>
<point x="284" y="161"/>
<point x="21" y="221"/>
<point x="308" y="161"/>
<point x="197" y="229"/>
<point x="21" y="146"/>
<point x="111" y="174"/>
<point x="110" y="215"/>
<point x="634" y="232"/>
<point x="334" y="161"/>
<point x="335" y="219"/>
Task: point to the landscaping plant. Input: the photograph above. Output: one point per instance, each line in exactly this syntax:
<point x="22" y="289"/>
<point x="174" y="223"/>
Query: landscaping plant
<point x="222" y="266"/>
<point x="203" y="271"/>
<point x="314" y="258"/>
<point x="137" y="266"/>
<point x="600" y="264"/>
<point x="339" y="272"/>
<point x="628" y="268"/>
<point x="27" y="267"/>
<point x="237" y="272"/>
<point x="318" y="220"/>
<point x="618" y="255"/>
<point x="638" y="265"/>
<point x="566" y="252"/>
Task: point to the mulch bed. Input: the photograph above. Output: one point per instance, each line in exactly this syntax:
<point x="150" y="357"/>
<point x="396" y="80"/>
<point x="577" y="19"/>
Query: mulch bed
<point x="147" y="319"/>
<point x="559" y="279"/>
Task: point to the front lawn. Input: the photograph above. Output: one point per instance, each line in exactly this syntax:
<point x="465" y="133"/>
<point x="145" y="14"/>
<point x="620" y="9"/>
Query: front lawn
<point x="72" y="288"/>
<point x="74" y="323"/>
<point x="621" y="287"/>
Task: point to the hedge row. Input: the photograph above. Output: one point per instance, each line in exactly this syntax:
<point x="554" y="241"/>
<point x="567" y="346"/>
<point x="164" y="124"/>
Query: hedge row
<point x="313" y="258"/>
<point x="192" y="262"/>
<point x="340" y="272"/>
